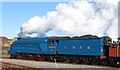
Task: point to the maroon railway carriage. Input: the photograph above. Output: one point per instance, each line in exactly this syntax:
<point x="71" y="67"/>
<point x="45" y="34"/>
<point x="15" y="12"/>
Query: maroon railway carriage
<point x="114" y="53"/>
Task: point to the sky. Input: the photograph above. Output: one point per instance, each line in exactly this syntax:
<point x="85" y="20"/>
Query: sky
<point x="49" y="17"/>
<point x="14" y="14"/>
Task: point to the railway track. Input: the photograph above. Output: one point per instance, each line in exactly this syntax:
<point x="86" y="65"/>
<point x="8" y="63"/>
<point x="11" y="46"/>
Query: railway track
<point x="66" y="63"/>
<point x="8" y="65"/>
<point x="46" y="64"/>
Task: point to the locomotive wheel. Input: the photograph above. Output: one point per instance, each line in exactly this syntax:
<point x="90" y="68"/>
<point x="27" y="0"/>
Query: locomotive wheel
<point x="75" y="60"/>
<point x="80" y="60"/>
<point x="84" y="60"/>
<point x="61" y="59"/>
<point x="12" y="56"/>
<point x="39" y="58"/>
<point x="94" y="61"/>
<point x="104" y="62"/>
<point x="18" y="56"/>
<point x="23" y="57"/>
<point x="30" y="57"/>
<point x="66" y="59"/>
<point x="111" y="62"/>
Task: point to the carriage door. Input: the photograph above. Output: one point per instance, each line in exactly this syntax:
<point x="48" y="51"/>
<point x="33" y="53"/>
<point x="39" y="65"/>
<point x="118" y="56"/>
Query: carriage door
<point x="52" y="46"/>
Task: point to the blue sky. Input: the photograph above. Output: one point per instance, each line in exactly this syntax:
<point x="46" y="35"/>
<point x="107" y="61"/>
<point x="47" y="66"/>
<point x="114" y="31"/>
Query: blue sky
<point x="14" y="14"/>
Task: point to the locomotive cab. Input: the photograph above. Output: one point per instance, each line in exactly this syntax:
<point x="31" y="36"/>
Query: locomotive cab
<point x="107" y="41"/>
<point x="107" y="44"/>
<point x="52" y="45"/>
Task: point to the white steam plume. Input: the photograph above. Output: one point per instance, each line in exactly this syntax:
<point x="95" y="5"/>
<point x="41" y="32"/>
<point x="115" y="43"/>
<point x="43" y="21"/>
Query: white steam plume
<point x="78" y="18"/>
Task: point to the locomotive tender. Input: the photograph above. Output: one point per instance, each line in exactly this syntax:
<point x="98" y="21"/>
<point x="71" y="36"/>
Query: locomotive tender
<point x="86" y="49"/>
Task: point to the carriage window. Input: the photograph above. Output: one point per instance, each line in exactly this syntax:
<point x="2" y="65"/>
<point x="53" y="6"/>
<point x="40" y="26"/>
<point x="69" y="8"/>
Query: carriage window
<point x="114" y="44"/>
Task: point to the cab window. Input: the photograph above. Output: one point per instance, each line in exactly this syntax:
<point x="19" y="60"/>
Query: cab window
<point x="53" y="42"/>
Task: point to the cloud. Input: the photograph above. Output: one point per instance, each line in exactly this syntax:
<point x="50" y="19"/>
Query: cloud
<point x="77" y="18"/>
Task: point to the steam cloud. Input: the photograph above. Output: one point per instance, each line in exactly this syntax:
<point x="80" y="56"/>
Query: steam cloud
<point x="77" y="18"/>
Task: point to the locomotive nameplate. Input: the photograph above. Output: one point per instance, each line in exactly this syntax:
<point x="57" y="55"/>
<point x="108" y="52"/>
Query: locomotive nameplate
<point x="52" y="46"/>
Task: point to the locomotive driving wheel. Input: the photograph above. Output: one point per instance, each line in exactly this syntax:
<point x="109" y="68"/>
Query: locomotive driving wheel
<point x="39" y="58"/>
<point x="30" y="57"/>
<point x="23" y="57"/>
<point x="18" y="56"/>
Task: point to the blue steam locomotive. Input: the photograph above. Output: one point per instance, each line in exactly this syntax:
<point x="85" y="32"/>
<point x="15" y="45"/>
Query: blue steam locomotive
<point x="86" y="49"/>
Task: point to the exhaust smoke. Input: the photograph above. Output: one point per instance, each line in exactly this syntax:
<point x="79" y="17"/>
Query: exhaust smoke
<point x="77" y="18"/>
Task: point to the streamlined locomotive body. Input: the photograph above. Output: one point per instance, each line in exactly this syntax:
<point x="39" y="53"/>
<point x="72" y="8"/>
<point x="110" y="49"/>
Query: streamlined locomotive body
<point x="86" y="49"/>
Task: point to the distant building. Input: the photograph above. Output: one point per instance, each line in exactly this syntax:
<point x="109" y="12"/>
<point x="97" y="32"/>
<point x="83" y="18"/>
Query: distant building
<point x="14" y="39"/>
<point x="5" y="42"/>
<point x="4" y="39"/>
